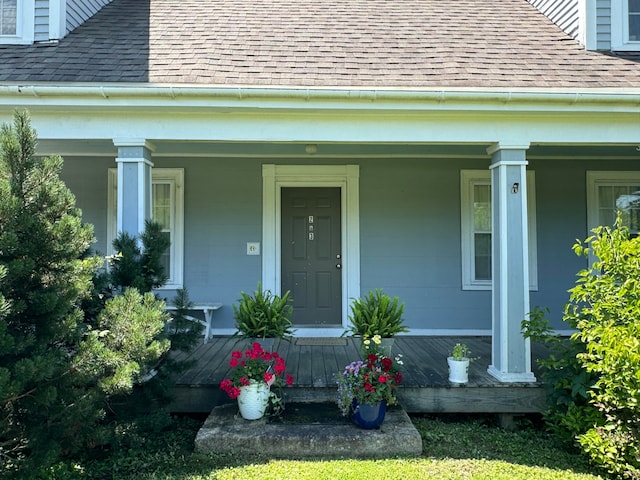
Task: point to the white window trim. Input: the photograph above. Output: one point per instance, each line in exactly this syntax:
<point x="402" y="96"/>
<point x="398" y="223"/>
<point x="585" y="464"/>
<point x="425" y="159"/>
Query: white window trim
<point x="604" y="178"/>
<point x="469" y="178"/>
<point x="176" y="177"/>
<point x="620" y="27"/>
<point x="25" y="24"/>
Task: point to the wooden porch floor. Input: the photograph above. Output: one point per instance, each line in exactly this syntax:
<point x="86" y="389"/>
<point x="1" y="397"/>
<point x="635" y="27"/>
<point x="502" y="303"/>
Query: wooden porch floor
<point x="313" y="362"/>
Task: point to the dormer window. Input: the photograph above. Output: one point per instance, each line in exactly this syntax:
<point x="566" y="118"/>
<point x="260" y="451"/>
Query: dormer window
<point x="8" y="17"/>
<point x="625" y="25"/>
<point x="17" y="19"/>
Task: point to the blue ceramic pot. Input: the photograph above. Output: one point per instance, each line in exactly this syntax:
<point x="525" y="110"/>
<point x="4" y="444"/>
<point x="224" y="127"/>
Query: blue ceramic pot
<point x="369" y="415"/>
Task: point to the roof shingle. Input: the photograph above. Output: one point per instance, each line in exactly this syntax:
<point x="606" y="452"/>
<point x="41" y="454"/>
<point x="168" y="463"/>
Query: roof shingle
<point x="356" y="43"/>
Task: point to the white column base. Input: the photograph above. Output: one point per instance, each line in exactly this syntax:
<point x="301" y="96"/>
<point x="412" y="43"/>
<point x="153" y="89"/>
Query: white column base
<point x="508" y="377"/>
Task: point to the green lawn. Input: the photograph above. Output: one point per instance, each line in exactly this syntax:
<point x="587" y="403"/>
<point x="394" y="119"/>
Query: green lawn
<point x="460" y="448"/>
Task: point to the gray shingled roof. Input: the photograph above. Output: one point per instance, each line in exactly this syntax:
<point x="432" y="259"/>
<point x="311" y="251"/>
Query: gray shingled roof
<point x="356" y="43"/>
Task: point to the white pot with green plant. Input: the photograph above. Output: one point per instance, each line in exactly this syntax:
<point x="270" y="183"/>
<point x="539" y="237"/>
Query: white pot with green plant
<point x="263" y="317"/>
<point x="377" y="314"/>
<point x="459" y="363"/>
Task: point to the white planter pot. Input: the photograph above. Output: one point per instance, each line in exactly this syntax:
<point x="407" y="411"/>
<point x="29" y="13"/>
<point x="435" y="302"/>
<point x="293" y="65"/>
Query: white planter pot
<point x="458" y="370"/>
<point x="253" y="400"/>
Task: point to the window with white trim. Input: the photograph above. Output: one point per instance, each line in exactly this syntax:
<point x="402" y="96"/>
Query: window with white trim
<point x="476" y="228"/>
<point x="17" y="21"/>
<point x="8" y="17"/>
<point x="625" y="25"/>
<point x="167" y="209"/>
<point x="610" y="192"/>
<point x="634" y="20"/>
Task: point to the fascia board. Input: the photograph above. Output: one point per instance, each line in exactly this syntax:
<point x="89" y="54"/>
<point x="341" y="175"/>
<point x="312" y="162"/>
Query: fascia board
<point x="261" y="98"/>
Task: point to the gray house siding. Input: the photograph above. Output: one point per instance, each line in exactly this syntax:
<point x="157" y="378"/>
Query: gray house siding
<point x="563" y="13"/>
<point x="566" y="14"/>
<point x="604" y="24"/>
<point x="80" y="10"/>
<point x="409" y="230"/>
<point x="41" y="25"/>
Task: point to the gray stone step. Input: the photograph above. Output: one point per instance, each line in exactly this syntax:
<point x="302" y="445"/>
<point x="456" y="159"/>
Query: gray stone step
<point x="225" y="431"/>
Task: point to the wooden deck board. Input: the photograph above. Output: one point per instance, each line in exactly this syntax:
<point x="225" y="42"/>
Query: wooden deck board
<point x="425" y="387"/>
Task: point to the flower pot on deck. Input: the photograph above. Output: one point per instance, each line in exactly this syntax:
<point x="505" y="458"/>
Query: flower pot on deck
<point x="458" y="370"/>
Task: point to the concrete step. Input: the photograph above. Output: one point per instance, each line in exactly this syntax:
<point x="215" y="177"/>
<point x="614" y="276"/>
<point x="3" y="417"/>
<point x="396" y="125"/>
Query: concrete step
<point x="225" y="431"/>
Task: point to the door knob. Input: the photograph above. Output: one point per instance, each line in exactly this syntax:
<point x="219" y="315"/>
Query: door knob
<point x="338" y="266"/>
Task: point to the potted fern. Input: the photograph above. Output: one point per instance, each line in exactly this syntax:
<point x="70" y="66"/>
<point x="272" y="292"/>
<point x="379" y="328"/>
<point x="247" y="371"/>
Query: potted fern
<point x="263" y="317"/>
<point x="377" y="314"/>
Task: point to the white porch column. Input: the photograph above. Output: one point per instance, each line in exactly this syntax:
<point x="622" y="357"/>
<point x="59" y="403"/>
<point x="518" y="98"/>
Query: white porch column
<point x="511" y="353"/>
<point x="134" y="184"/>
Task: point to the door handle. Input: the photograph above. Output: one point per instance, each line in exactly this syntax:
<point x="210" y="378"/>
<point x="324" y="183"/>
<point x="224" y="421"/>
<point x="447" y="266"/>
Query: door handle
<point x="338" y="266"/>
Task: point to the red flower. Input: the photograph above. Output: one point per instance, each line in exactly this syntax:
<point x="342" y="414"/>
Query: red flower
<point x="382" y="379"/>
<point x="372" y="357"/>
<point x="234" y="392"/>
<point x="387" y="363"/>
<point x="254" y="365"/>
<point x="369" y="388"/>
<point x="398" y="378"/>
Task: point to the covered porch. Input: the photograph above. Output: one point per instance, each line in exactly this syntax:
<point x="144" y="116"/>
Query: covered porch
<point x="313" y="362"/>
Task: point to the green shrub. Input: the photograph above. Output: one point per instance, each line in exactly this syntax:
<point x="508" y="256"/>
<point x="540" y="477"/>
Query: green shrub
<point x="597" y="377"/>
<point x="60" y="363"/>
<point x="567" y="382"/>
<point x="605" y="307"/>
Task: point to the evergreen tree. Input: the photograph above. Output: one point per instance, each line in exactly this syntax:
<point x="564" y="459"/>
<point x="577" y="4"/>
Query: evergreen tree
<point x="58" y="365"/>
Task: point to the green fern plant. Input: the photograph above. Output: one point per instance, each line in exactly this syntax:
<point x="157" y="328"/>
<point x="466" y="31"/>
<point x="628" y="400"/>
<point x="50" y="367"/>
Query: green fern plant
<point x="263" y="315"/>
<point x="376" y="314"/>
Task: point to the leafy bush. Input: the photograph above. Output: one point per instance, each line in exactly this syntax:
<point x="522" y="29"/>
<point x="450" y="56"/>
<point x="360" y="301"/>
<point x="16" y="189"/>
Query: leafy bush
<point x="598" y="378"/>
<point x="565" y="379"/>
<point x="376" y="314"/>
<point x="605" y="307"/>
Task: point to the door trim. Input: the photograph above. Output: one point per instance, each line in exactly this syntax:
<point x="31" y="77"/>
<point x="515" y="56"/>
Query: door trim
<point x="347" y="177"/>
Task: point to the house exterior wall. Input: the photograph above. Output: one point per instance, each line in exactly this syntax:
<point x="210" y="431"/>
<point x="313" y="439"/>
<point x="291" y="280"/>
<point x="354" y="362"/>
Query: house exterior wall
<point x="41" y="30"/>
<point x="80" y="10"/>
<point x="603" y="24"/>
<point x="567" y="15"/>
<point x="563" y="13"/>
<point x="87" y="179"/>
<point x="409" y="230"/>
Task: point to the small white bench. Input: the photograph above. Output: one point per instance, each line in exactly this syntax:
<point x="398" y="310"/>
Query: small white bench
<point x="207" y="309"/>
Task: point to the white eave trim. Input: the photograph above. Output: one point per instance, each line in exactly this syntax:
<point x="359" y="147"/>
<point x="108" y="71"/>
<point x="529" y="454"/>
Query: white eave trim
<point x="195" y="96"/>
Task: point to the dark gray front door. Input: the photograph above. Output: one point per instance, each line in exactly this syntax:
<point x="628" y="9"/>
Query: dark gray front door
<point x="311" y="256"/>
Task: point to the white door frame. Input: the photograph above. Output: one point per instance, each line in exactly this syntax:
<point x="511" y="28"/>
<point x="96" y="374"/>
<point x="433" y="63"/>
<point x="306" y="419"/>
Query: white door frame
<point x="347" y="178"/>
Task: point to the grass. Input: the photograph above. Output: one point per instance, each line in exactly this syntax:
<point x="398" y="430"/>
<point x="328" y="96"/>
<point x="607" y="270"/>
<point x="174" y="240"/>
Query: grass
<point x="455" y="447"/>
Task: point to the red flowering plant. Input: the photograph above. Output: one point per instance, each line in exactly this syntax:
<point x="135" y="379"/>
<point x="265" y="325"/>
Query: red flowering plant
<point x="255" y="365"/>
<point x="370" y="380"/>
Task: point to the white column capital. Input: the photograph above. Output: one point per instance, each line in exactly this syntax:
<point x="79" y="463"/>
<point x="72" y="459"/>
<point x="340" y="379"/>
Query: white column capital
<point x="498" y="146"/>
<point x="134" y="142"/>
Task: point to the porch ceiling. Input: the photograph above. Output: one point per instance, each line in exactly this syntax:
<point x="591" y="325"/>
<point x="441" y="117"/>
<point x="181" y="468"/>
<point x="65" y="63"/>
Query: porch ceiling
<point x="297" y="150"/>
